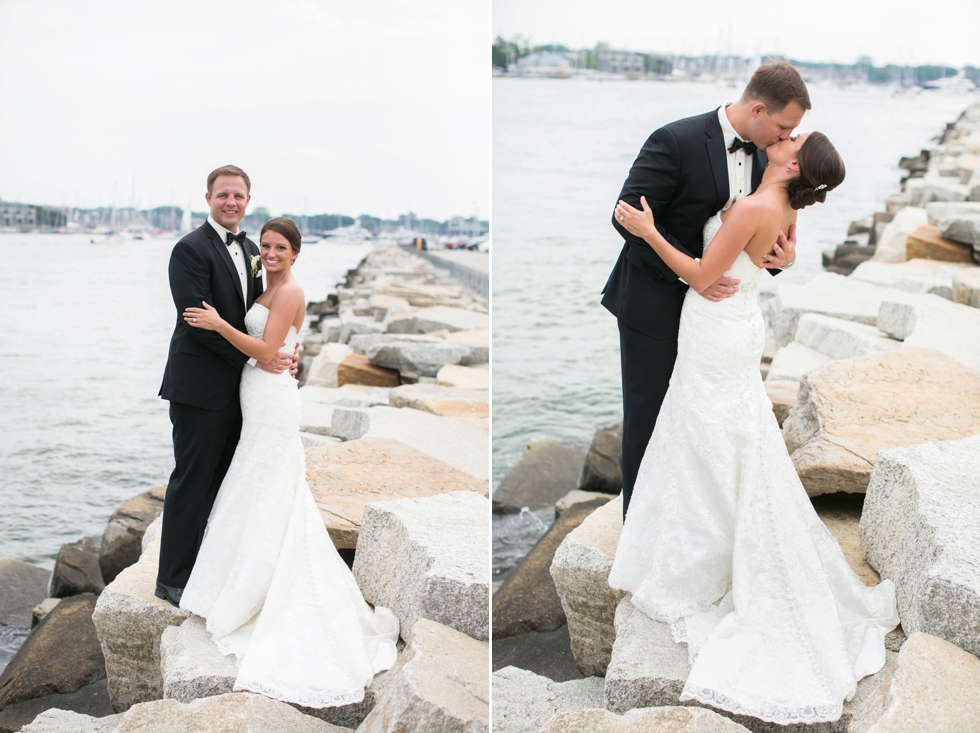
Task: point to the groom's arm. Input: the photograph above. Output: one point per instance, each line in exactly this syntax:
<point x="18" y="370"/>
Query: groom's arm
<point x="654" y="174"/>
<point x="190" y="284"/>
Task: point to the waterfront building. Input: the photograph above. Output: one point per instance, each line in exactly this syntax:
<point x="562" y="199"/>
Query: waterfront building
<point x="544" y="64"/>
<point x="460" y="227"/>
<point x="17" y="215"/>
<point x="618" y="62"/>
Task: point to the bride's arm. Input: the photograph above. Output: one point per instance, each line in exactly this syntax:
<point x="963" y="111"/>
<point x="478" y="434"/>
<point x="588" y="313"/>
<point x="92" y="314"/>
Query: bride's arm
<point x="739" y="229"/>
<point x="286" y="305"/>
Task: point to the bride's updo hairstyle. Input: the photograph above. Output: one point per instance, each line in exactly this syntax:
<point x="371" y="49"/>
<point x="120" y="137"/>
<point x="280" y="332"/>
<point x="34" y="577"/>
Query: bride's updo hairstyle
<point x="285" y="227"/>
<point x="821" y="170"/>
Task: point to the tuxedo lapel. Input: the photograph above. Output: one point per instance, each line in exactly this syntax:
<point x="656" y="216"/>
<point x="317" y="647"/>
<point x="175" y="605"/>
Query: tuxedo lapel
<point x="249" y="280"/>
<point x="759" y="162"/>
<point x="225" y="256"/>
<point x="717" y="157"/>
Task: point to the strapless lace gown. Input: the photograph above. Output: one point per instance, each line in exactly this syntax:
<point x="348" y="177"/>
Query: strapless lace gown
<point x="268" y="579"/>
<point x="722" y="542"/>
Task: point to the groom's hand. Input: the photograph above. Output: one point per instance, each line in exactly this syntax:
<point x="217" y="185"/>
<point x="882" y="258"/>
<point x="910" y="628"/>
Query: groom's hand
<point x="277" y="364"/>
<point x="723" y="287"/>
<point x="294" y="362"/>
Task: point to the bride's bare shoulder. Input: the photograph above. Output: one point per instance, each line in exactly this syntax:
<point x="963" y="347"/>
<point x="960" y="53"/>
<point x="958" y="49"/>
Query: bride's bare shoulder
<point x="290" y="291"/>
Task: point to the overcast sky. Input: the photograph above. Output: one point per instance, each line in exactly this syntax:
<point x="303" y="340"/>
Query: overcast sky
<point x="902" y="31"/>
<point x="330" y="106"/>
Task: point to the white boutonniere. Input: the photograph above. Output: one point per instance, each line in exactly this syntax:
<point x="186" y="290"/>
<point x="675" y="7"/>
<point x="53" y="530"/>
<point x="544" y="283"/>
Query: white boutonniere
<point x="256" y="266"/>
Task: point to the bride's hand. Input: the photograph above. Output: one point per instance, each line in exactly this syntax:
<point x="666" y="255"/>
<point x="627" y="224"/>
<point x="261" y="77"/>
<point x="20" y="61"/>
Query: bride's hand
<point x="638" y="223"/>
<point x="206" y="317"/>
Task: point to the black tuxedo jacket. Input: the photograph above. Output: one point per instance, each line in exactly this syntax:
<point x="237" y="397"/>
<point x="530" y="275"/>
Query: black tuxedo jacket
<point x="203" y="369"/>
<point x="682" y="170"/>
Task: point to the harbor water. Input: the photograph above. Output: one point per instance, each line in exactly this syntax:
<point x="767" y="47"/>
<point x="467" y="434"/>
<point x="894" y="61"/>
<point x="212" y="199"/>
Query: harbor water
<point x="82" y="351"/>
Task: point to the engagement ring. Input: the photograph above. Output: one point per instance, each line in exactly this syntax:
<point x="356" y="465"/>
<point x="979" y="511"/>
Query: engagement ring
<point x="622" y="218"/>
<point x="195" y="320"/>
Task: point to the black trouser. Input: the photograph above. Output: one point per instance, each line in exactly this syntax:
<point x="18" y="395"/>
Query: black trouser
<point x="204" y="443"/>
<point x="647" y="364"/>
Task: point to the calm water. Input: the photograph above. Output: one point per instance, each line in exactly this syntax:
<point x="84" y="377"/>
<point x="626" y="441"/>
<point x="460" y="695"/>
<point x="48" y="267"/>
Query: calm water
<point x="561" y="150"/>
<point x="82" y="351"/>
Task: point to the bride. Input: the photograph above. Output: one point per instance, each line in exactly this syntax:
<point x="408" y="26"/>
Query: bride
<point x="268" y="580"/>
<point x="721" y="540"/>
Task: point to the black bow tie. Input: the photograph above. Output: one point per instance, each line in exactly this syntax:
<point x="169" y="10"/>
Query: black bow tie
<point x="750" y="147"/>
<point x="240" y="238"/>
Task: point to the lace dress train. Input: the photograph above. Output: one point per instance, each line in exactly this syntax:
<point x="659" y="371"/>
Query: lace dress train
<point x="269" y="582"/>
<point x="721" y="540"/>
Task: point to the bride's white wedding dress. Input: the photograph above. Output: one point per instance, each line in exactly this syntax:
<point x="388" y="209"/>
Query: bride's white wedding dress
<point x="722" y="542"/>
<point x="268" y="580"/>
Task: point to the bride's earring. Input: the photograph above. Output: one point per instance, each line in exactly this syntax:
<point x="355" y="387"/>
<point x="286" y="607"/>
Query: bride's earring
<point x="789" y="170"/>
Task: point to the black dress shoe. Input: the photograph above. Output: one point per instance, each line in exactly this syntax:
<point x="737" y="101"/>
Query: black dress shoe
<point x="171" y="595"/>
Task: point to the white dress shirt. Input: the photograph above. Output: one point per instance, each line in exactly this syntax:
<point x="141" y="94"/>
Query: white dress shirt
<point x="237" y="255"/>
<point x="739" y="164"/>
<point x="739" y="167"/>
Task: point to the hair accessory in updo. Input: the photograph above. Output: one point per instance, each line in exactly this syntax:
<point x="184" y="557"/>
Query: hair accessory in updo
<point x="818" y="161"/>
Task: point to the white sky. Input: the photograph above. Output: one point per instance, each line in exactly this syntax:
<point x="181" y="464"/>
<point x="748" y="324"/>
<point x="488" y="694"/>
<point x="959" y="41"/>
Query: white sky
<point x="342" y="107"/>
<point x="900" y="31"/>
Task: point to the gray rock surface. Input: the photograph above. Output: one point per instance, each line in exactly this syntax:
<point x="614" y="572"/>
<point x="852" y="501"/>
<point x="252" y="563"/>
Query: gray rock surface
<point x="462" y="446"/>
<point x="827" y="294"/>
<point x="913" y="276"/>
<point x="439" y="318"/>
<point x="471" y="406"/>
<point x="22" y="586"/>
<point x="581" y="574"/>
<point x="351" y="325"/>
<point x="440" y="683"/>
<point x="90" y="700"/>
<point x="643" y="720"/>
<point x="347" y="477"/>
<point x="841" y="339"/>
<point x="453" y="375"/>
<point x="62" y="655"/>
<point x="123" y="534"/>
<point x="794" y="360"/>
<point x="478" y="339"/>
<point x="891" y="243"/>
<point x="933" y="686"/>
<point x="921" y="528"/>
<point x="130" y="620"/>
<point x="966" y="287"/>
<point x="66" y="721"/>
<point x="547" y="472"/>
<point x="42" y="609"/>
<point x="934" y="323"/>
<point x="191" y="664"/>
<point x="318" y="403"/>
<point x="323" y="368"/>
<point x="648" y="669"/>
<point x="527" y="600"/>
<point x="236" y="712"/>
<point x="420" y="354"/>
<point x="76" y="569"/>
<point x="524" y="701"/>
<point x="603" y="469"/>
<point x="407" y="561"/>
<point x="833" y="437"/>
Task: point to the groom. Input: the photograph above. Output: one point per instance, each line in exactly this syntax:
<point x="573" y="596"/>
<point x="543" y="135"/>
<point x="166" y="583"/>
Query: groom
<point x="214" y="263"/>
<point x="689" y="170"/>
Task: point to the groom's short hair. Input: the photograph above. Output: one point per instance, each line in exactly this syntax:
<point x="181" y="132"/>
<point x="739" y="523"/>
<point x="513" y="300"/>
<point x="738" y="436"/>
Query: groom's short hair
<point x="777" y="84"/>
<point x="228" y="170"/>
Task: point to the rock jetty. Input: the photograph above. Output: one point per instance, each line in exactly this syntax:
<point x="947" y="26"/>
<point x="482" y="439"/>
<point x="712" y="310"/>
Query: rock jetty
<point x="873" y="371"/>
<point x="398" y="463"/>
